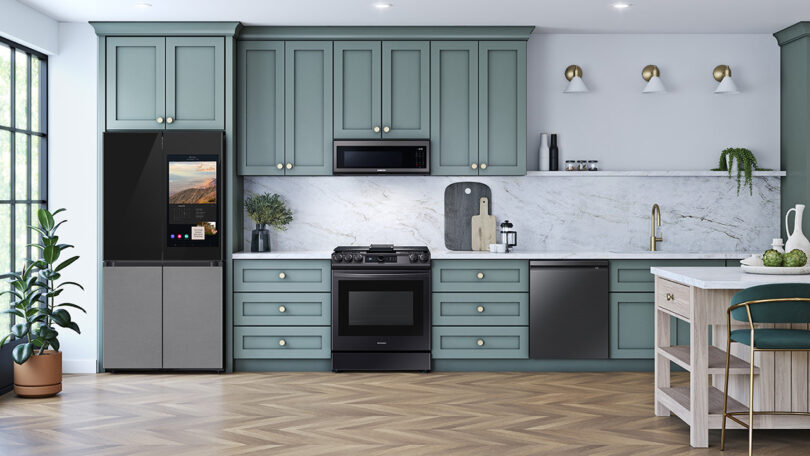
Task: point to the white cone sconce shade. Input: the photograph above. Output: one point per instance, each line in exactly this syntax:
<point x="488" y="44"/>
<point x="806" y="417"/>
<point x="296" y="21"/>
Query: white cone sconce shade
<point x="722" y="74"/>
<point x="652" y="75"/>
<point x="575" y="83"/>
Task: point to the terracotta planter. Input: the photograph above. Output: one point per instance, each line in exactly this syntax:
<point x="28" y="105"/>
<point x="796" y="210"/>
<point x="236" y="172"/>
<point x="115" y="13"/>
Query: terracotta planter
<point x="40" y="376"/>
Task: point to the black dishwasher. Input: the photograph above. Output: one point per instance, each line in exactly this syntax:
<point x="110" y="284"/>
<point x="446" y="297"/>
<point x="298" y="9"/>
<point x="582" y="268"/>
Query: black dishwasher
<point x="569" y="310"/>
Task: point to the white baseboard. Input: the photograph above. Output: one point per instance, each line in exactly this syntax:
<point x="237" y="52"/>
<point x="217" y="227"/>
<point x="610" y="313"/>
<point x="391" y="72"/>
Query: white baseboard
<point x="79" y="366"/>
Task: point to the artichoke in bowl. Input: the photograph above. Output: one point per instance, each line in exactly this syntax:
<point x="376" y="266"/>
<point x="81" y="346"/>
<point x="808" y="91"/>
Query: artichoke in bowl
<point x="795" y="258"/>
<point x="772" y="258"/>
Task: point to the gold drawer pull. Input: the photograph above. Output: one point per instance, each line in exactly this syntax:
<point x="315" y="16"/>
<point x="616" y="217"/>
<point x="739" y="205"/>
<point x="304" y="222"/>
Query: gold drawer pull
<point x="282" y="275"/>
<point x="480" y="309"/>
<point x="282" y="309"/>
<point x="376" y="129"/>
<point x="479" y="342"/>
<point x="474" y="166"/>
<point x="280" y="166"/>
<point x="159" y="120"/>
<point x="169" y="120"/>
<point x="670" y="296"/>
<point x="282" y="342"/>
<point x="289" y="165"/>
<point x="480" y="275"/>
<point x="386" y="129"/>
<point x="483" y="166"/>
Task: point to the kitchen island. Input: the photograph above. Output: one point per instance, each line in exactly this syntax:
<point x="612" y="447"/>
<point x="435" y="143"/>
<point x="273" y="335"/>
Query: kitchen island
<point x="700" y="296"/>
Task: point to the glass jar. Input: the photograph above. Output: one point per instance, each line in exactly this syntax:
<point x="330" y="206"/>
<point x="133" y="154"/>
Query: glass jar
<point x="593" y="165"/>
<point x="582" y="165"/>
<point x="570" y="165"/>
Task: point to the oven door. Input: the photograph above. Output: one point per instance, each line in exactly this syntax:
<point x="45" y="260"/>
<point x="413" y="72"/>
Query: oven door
<point x="380" y="311"/>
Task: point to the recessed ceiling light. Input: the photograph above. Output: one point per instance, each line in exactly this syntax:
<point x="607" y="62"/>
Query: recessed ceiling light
<point x="381" y="5"/>
<point x="621" y="5"/>
<point x="143" y="5"/>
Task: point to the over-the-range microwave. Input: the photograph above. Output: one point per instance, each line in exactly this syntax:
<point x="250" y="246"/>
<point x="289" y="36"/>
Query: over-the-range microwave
<point x="381" y="157"/>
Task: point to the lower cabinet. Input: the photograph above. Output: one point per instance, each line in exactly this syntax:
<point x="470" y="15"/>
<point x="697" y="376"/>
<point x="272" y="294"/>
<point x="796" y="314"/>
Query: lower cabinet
<point x="480" y="342"/>
<point x="280" y="342"/>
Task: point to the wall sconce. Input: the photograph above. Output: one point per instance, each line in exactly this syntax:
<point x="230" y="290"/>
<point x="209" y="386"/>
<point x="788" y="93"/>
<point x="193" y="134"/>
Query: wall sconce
<point x="652" y="75"/>
<point x="722" y="74"/>
<point x="575" y="83"/>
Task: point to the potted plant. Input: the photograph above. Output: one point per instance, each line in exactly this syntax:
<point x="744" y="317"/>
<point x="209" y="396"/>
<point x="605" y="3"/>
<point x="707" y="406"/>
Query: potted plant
<point x="37" y="359"/>
<point x="746" y="164"/>
<point x="266" y="209"/>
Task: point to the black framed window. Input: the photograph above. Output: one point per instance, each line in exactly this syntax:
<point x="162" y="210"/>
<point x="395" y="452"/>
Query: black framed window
<point x="23" y="153"/>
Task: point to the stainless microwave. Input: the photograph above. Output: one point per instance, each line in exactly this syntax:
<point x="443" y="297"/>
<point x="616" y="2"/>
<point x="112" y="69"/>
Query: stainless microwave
<point x="381" y="157"/>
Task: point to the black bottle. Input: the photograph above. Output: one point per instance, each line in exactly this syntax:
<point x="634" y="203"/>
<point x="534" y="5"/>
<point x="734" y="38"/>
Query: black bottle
<point x="553" y="155"/>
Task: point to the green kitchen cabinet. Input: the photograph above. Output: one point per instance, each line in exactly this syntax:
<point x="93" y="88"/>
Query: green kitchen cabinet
<point x="502" y="108"/>
<point x="282" y="276"/>
<point x="635" y="275"/>
<point x="382" y="90"/>
<point x="480" y="309"/>
<point x="454" y="108"/>
<point x="282" y="309"/>
<point x="156" y="83"/>
<point x="484" y="342"/>
<point x="260" y="107"/>
<point x="308" y="108"/>
<point x="480" y="276"/>
<point x="279" y="342"/>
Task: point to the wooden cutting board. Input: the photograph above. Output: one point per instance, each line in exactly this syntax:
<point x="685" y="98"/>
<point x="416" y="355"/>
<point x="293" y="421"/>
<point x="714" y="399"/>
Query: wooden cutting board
<point x="482" y="227"/>
<point x="462" y="200"/>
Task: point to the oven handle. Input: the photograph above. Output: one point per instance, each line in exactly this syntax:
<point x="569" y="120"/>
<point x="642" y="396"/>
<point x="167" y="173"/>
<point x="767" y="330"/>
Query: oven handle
<point x="377" y="275"/>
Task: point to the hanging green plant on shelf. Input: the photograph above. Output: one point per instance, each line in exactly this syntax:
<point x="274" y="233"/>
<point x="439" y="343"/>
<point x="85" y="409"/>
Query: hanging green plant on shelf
<point x="746" y="165"/>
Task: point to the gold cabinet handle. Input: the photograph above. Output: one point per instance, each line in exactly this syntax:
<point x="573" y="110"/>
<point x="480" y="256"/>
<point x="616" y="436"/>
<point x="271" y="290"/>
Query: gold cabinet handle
<point x="376" y="128"/>
<point x="483" y="166"/>
<point x="480" y="309"/>
<point x="670" y="296"/>
<point x="289" y="165"/>
<point x="479" y="342"/>
<point x="282" y="342"/>
<point x="282" y="275"/>
<point x="474" y="166"/>
<point x="169" y="120"/>
<point x="280" y="166"/>
<point x="282" y="309"/>
<point x="386" y="129"/>
<point x="480" y="275"/>
<point x="159" y="120"/>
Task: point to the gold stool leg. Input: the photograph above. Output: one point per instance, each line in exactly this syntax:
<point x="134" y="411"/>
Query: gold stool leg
<point x="751" y="403"/>
<point x="725" y="394"/>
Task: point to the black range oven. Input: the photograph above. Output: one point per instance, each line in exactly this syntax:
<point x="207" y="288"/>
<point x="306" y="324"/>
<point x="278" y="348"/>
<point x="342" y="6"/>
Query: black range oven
<point x="381" y="308"/>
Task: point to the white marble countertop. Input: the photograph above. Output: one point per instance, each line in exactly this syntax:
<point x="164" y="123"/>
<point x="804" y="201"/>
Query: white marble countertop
<point x="730" y="278"/>
<point x="620" y="173"/>
<point x="515" y="255"/>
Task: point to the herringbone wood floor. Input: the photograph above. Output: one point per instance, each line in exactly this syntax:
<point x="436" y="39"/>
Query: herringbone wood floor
<point x="359" y="414"/>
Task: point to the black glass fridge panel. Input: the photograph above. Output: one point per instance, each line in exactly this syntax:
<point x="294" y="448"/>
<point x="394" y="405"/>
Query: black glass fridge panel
<point x="134" y="192"/>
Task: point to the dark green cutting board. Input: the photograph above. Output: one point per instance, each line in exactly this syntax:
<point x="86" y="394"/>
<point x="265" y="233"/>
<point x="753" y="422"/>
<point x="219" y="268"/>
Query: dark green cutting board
<point x="459" y="207"/>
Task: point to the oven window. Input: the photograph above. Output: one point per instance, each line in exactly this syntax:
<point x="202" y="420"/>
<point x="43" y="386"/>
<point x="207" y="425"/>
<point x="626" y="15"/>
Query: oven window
<point x="380" y="307"/>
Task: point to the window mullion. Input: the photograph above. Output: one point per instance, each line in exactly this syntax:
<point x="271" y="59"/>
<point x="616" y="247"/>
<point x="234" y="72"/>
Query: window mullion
<point x="28" y="172"/>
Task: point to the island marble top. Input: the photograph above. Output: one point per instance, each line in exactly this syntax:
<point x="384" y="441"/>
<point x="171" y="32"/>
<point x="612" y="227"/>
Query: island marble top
<point x="515" y="255"/>
<point x="719" y="278"/>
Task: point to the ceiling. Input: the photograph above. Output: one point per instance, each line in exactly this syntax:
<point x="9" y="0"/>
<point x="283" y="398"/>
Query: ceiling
<point x="549" y="16"/>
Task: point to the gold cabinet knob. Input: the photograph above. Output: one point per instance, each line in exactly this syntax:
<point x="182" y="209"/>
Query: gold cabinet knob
<point x="376" y="128"/>
<point x="289" y="165"/>
<point x="670" y="296"/>
<point x="169" y="120"/>
<point x="280" y="166"/>
<point x="282" y="342"/>
<point x="282" y="275"/>
<point x="386" y="129"/>
<point x="282" y="309"/>
<point x="474" y="166"/>
<point x="483" y="166"/>
<point x="159" y="120"/>
<point x="480" y="309"/>
<point x="480" y="275"/>
<point x="479" y="342"/>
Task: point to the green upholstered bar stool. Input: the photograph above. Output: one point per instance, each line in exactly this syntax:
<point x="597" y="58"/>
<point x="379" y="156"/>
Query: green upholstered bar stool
<point x="774" y="303"/>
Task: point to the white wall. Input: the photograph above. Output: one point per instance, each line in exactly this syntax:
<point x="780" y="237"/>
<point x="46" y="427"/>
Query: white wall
<point x="683" y="129"/>
<point x="28" y="26"/>
<point x="72" y="177"/>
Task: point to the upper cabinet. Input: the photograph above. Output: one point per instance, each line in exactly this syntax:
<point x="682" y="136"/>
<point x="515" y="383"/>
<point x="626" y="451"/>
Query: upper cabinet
<point x="156" y="83"/>
<point x="382" y="90"/>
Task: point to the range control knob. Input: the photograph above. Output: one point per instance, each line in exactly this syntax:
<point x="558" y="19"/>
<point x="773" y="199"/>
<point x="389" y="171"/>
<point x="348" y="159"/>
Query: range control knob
<point x="347" y="257"/>
<point x="358" y="258"/>
<point x="413" y="258"/>
<point x="337" y="257"/>
<point x="424" y="257"/>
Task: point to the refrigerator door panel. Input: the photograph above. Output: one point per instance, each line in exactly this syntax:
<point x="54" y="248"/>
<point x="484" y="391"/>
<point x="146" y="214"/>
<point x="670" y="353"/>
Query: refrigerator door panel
<point x="134" y="189"/>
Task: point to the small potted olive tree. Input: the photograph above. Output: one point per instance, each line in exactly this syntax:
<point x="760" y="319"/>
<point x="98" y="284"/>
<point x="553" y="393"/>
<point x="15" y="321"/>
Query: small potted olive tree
<point x="266" y="209"/>
<point x="38" y="310"/>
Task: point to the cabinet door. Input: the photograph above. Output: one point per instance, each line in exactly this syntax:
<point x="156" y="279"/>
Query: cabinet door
<point x="260" y="112"/>
<point x="502" y="108"/>
<point x="406" y="89"/>
<point x="357" y="90"/>
<point x="195" y="78"/>
<point x="132" y="330"/>
<point x="308" y="108"/>
<point x="454" y="108"/>
<point x="192" y="317"/>
<point x="136" y="76"/>
<point x="632" y="326"/>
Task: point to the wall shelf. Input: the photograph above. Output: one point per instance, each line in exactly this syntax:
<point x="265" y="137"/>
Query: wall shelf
<point x="647" y="174"/>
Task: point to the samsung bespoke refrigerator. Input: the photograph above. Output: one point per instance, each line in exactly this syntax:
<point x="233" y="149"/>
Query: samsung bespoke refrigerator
<point x="162" y="300"/>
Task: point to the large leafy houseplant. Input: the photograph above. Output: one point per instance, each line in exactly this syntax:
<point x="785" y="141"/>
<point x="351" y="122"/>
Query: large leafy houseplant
<point x="746" y="165"/>
<point x="35" y="293"/>
<point x="267" y="209"/>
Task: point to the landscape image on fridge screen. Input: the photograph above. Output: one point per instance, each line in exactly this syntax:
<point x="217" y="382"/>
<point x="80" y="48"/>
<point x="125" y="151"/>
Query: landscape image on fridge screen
<point x="192" y="201"/>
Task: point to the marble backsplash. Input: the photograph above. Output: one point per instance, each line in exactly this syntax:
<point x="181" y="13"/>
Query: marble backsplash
<point x="699" y="214"/>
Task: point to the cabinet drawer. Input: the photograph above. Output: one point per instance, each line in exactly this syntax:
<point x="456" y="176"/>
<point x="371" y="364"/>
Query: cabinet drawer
<point x="480" y="309"/>
<point x="674" y="297"/>
<point x="480" y="342"/>
<point x="634" y="275"/>
<point x="281" y="309"/>
<point x="280" y="342"/>
<point x="481" y="275"/>
<point x="281" y="275"/>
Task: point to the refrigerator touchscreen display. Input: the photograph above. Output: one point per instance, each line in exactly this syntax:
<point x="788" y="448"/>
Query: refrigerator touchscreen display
<point x="192" y="201"/>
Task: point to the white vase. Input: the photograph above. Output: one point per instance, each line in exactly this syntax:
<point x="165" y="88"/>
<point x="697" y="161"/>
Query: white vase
<point x="732" y="164"/>
<point x="544" y="152"/>
<point x="796" y="239"/>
